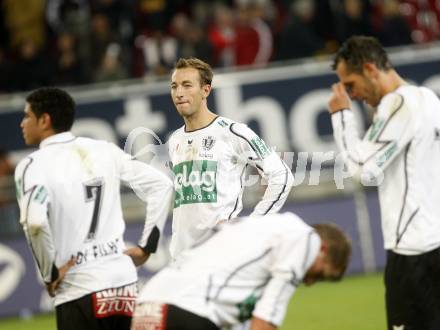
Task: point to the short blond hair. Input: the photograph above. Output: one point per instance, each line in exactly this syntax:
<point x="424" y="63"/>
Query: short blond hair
<point x="205" y="70"/>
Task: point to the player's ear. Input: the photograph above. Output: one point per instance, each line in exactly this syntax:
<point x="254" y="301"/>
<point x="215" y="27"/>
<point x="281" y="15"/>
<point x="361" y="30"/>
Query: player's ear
<point x="206" y="90"/>
<point x="45" y="121"/>
<point x="370" y="70"/>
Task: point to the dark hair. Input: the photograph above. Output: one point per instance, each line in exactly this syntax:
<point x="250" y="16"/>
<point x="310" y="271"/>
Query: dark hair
<point x="57" y="103"/>
<point x="205" y="70"/>
<point x="358" y="50"/>
<point x="338" y="243"/>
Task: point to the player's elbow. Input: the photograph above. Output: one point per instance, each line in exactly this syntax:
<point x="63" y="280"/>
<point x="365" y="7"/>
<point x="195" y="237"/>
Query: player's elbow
<point x="34" y="226"/>
<point x="370" y="175"/>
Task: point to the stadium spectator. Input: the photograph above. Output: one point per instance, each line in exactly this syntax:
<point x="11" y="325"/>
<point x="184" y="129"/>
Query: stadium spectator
<point x="153" y="15"/>
<point x="67" y="15"/>
<point x="222" y="35"/>
<point x="394" y="29"/>
<point x="239" y="32"/>
<point x="192" y="39"/>
<point x="216" y="150"/>
<point x="102" y="39"/>
<point x="298" y="39"/>
<point x="253" y="38"/>
<point x="111" y="67"/>
<point x="400" y="153"/>
<point x="72" y="17"/>
<point x="69" y="197"/>
<point x="233" y="277"/>
<point x="353" y="19"/>
<point x="31" y="58"/>
<point x="25" y="21"/>
<point x="69" y="67"/>
<point x="159" y="52"/>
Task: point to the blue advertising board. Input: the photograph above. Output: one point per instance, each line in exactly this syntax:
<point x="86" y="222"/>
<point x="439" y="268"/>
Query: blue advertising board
<point x="285" y="105"/>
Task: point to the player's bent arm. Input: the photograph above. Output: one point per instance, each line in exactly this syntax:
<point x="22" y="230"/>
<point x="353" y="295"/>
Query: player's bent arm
<point x="33" y="199"/>
<point x="260" y="324"/>
<point x="273" y="304"/>
<point x="254" y="151"/>
<point x="280" y="182"/>
<point x="391" y="132"/>
<point x="138" y="255"/>
<point x="291" y="258"/>
<point x="39" y="235"/>
<point x="62" y="271"/>
<point x="156" y="190"/>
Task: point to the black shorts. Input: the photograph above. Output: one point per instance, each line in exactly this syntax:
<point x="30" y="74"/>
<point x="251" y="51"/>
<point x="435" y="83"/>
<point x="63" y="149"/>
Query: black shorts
<point x="413" y="291"/>
<point x="110" y="309"/>
<point x="155" y="316"/>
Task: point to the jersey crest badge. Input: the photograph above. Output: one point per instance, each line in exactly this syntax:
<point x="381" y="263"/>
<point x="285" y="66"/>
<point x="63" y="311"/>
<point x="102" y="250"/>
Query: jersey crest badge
<point x="208" y="142"/>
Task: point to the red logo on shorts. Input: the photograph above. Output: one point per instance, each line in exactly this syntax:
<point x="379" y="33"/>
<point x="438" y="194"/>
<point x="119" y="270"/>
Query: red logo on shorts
<point x="119" y="301"/>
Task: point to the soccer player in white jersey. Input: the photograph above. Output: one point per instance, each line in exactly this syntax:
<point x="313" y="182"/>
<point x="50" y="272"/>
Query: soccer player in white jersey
<point x="248" y="269"/>
<point x="69" y="197"/>
<point x="401" y="154"/>
<point x="209" y="155"/>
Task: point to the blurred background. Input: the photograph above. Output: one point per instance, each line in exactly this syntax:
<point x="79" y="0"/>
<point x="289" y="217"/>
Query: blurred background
<point x="71" y="42"/>
<point x="272" y="71"/>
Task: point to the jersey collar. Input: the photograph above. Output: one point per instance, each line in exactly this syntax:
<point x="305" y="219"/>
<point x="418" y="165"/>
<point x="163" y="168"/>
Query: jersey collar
<point x="57" y="138"/>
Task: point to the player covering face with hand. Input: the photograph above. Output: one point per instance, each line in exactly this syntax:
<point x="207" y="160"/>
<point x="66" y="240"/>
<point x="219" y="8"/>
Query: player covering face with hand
<point x="401" y="154"/>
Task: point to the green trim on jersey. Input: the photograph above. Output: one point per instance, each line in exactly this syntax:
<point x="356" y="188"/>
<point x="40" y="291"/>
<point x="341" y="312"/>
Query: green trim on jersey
<point x="246" y="307"/>
<point x="195" y="182"/>
<point x="260" y="147"/>
<point x="390" y="150"/>
<point x="222" y="123"/>
<point x="41" y="195"/>
<point x="375" y="129"/>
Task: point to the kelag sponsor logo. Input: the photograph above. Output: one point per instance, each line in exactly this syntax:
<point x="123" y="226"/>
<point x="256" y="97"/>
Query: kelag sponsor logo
<point x="260" y="147"/>
<point x="195" y="182"/>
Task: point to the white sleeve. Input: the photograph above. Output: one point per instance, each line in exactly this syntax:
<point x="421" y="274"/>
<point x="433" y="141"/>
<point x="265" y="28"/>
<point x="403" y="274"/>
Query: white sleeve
<point x="391" y="132"/>
<point x="34" y="200"/>
<point x="252" y="150"/>
<point x="292" y="259"/>
<point x="155" y="189"/>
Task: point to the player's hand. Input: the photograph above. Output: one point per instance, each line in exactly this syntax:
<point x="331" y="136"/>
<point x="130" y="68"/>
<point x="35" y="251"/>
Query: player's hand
<point x="138" y="255"/>
<point x="52" y="287"/>
<point x="339" y="99"/>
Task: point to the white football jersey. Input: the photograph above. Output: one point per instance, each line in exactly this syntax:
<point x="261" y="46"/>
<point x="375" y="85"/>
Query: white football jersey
<point x="69" y="197"/>
<point x="401" y="153"/>
<point x="248" y="268"/>
<point x="209" y="167"/>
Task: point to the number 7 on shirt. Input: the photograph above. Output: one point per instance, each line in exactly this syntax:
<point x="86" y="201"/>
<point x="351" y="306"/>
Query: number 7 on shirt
<point x="93" y="192"/>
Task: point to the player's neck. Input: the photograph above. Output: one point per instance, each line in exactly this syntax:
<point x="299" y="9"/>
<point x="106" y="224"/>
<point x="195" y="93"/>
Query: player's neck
<point x="392" y="82"/>
<point x="46" y="134"/>
<point x="199" y="120"/>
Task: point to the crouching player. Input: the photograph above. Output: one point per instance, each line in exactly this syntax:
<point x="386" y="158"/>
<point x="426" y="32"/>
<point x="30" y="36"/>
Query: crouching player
<point x="247" y="270"/>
